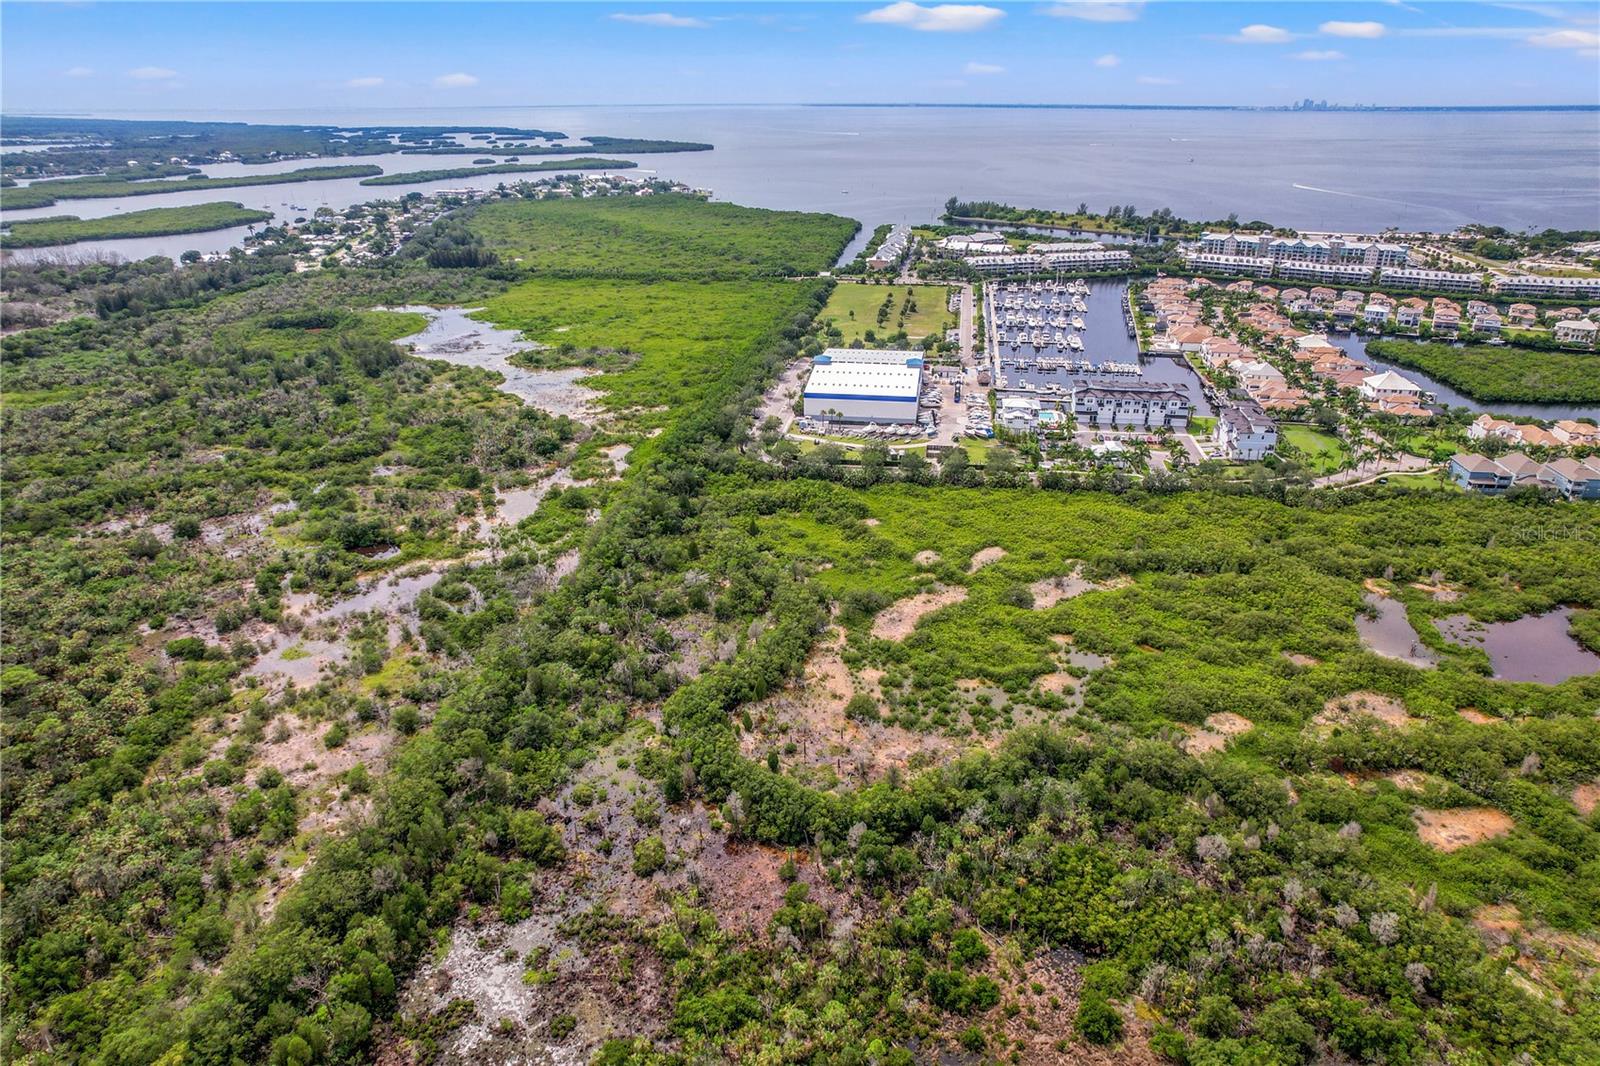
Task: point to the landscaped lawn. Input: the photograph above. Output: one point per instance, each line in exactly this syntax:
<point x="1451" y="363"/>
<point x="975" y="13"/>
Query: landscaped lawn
<point x="1322" y="452"/>
<point x="854" y="309"/>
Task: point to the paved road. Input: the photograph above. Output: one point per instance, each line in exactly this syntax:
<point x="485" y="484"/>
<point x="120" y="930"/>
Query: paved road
<point x="968" y="325"/>
<point x="1372" y="469"/>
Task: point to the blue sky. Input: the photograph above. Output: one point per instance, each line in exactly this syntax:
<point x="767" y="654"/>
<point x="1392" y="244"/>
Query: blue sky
<point x="217" y="57"/>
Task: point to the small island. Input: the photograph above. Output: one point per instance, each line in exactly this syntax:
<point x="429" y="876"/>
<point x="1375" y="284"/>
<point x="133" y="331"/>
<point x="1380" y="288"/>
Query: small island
<point x="156" y="222"/>
<point x="135" y="182"/>
<point x="412" y="177"/>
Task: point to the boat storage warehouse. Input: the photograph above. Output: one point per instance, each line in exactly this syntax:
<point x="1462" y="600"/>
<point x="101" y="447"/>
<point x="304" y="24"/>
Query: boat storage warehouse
<point x="857" y="392"/>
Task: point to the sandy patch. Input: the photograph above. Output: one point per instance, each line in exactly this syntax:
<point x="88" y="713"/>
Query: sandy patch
<point x="1351" y="707"/>
<point x="928" y="557"/>
<point x="1301" y="660"/>
<point x="806" y="724"/>
<point x="1460" y="827"/>
<point x="984" y="558"/>
<point x="1060" y="683"/>
<point x="1407" y="780"/>
<point x="1214" y="737"/>
<point x="1374" y="586"/>
<point x="1064" y="640"/>
<point x="1047" y="592"/>
<point x="1441" y="592"/>
<point x="1229" y="724"/>
<point x="1477" y="717"/>
<point x="896" y="621"/>
<point x="872" y="523"/>
<point x="1586" y="798"/>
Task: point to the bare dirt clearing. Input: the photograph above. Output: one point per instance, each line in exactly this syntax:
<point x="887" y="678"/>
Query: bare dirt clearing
<point x="896" y="621"/>
<point x="1352" y="707"/>
<point x="1460" y="827"/>
<point x="984" y="557"/>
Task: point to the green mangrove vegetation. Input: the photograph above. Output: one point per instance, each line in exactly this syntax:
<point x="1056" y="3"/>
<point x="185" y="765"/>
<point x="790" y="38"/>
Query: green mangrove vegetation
<point x="1490" y="373"/>
<point x="740" y="754"/>
<point x="45" y="193"/>
<point x="157" y="222"/>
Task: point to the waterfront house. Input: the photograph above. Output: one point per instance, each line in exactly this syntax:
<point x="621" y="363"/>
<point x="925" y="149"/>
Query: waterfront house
<point x="1576" y="434"/>
<point x="1190" y="338"/>
<point x="1408" y="314"/>
<point x="1344" y="313"/>
<point x="1245" y="432"/>
<point x="1522" y="314"/>
<point x="1446" y="323"/>
<point x="1389" y="385"/>
<point x="1487" y="323"/>
<point x="1485" y="426"/>
<point x="1577" y="331"/>
<point x="1019" y="414"/>
<point x="1102" y="406"/>
<point x="1375" y="313"/>
<point x="1322" y="296"/>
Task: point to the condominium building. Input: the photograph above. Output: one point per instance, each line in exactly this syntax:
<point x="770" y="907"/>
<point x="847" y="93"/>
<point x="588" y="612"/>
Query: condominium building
<point x="1548" y="286"/>
<point x="1432" y="280"/>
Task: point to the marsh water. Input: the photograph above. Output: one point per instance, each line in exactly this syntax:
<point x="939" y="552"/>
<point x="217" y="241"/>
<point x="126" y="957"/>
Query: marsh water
<point x="453" y="336"/>
<point x="1388" y="632"/>
<point x="1359" y="171"/>
<point x="1535" y="647"/>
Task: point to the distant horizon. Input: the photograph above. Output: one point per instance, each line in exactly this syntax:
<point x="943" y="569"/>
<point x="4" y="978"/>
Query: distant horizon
<point x="1332" y="108"/>
<point x="61" y="57"/>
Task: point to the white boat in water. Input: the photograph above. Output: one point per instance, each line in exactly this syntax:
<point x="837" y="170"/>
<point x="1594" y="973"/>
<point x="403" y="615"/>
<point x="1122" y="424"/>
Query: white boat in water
<point x="1077" y="322"/>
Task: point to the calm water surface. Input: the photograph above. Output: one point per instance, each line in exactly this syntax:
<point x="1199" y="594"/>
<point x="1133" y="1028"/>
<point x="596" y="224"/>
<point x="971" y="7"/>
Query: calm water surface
<point x="1535" y="647"/>
<point x="1356" y="347"/>
<point x="1334" y="170"/>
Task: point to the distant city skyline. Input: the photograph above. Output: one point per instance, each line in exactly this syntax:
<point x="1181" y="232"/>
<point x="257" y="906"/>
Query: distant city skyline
<point x="135" y="57"/>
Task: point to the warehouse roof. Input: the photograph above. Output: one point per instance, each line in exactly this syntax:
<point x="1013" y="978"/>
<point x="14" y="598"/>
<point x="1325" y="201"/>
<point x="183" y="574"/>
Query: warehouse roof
<point x="865" y="380"/>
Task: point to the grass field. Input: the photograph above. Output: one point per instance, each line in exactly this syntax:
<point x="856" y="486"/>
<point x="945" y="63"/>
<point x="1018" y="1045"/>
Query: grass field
<point x="854" y="310"/>
<point x="1321" y="451"/>
<point x="661" y="237"/>
<point x="1493" y="372"/>
<point x="156" y="222"/>
<point x="679" y="331"/>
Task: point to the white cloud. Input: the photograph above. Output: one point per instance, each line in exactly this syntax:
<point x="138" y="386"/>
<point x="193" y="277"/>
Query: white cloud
<point x="1316" y="56"/>
<point x="662" y="18"/>
<point x="363" y="83"/>
<point x="1580" y="39"/>
<point x="1093" y="11"/>
<point x="983" y="68"/>
<point x="1257" y="33"/>
<point x="1110" y="59"/>
<point x="1151" y="79"/>
<point x="1365" y="30"/>
<point x="940" y="18"/>
<point x="78" y="72"/>
<point x="152" y="73"/>
<point x="454" y="81"/>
